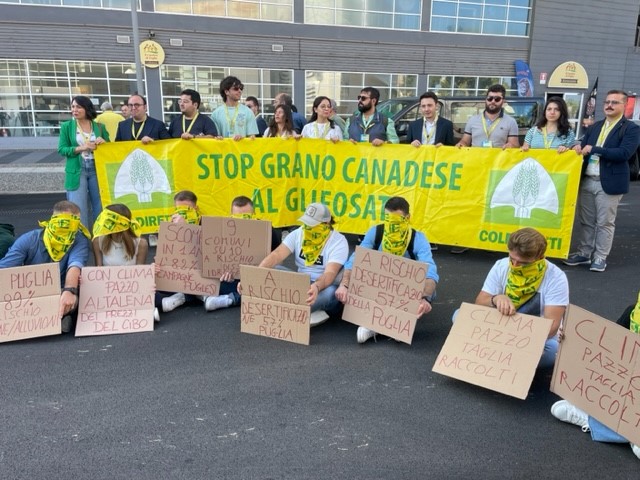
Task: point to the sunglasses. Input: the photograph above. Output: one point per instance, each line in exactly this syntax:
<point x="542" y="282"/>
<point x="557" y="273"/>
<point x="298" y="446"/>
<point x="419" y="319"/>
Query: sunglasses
<point x="362" y="97"/>
<point x="494" y="99"/>
<point x="235" y="87"/>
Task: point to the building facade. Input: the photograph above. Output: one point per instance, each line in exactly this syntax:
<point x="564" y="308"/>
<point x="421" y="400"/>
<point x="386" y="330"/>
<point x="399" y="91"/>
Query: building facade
<point x="56" y="49"/>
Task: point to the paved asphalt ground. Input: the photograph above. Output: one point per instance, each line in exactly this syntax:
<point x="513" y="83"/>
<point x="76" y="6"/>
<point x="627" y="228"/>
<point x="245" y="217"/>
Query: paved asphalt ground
<point x="197" y="399"/>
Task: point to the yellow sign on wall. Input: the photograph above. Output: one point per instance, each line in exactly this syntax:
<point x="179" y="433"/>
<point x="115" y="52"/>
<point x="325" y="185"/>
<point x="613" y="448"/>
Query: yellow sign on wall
<point x="569" y="75"/>
<point x="473" y="197"/>
<point x="151" y="54"/>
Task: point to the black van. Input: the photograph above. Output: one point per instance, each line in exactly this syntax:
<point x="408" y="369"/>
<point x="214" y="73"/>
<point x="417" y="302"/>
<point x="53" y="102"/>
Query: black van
<point x="403" y="110"/>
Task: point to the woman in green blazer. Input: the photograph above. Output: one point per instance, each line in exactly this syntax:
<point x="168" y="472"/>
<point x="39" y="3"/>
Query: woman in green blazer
<point x="79" y="137"/>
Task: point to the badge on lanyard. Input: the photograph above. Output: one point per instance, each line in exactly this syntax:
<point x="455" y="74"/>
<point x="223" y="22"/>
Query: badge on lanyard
<point x="594" y="159"/>
<point x="364" y="137"/>
<point x="487" y="144"/>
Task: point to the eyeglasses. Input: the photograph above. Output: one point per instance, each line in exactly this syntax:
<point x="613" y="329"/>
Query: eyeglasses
<point x="236" y="87"/>
<point x="613" y="102"/>
<point x="494" y="99"/>
<point x="362" y="97"/>
<point x="135" y="105"/>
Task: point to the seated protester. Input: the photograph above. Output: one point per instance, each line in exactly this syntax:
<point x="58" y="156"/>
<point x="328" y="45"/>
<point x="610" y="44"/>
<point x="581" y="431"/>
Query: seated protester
<point x="186" y="211"/>
<point x="566" y="412"/>
<point x="397" y="237"/>
<point x="59" y="242"/>
<point x="117" y="242"/>
<point x="7" y="237"/>
<point x="525" y="282"/>
<point x="320" y="252"/>
<point x="241" y="207"/>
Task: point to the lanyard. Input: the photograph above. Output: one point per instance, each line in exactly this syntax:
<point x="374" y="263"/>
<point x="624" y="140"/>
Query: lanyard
<point x="325" y="130"/>
<point x="231" y="121"/>
<point x="366" y="126"/>
<point x="547" y="143"/>
<point x="190" y="125"/>
<point x="85" y="136"/>
<point x="606" y="128"/>
<point x="492" y="127"/>
<point x="133" y="130"/>
<point x="427" y="136"/>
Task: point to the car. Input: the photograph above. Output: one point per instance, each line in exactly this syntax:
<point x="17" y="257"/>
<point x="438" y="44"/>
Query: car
<point x="404" y="110"/>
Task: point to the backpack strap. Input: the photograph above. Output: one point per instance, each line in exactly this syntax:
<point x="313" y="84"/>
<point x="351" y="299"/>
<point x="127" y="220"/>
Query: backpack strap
<point x="378" y="240"/>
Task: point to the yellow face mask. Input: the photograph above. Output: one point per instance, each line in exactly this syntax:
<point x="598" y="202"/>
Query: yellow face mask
<point x="313" y="240"/>
<point x="524" y="281"/>
<point x="397" y="233"/>
<point x="109" y="222"/>
<point x="244" y="216"/>
<point x="190" y="214"/>
<point x="634" y="326"/>
<point x="60" y="233"/>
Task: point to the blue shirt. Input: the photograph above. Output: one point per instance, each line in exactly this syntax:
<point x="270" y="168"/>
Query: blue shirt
<point x="29" y="249"/>
<point x="535" y="139"/>
<point x="421" y="250"/>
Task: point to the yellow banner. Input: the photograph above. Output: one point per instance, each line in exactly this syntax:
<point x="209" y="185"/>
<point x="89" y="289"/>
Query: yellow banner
<point x="473" y="197"/>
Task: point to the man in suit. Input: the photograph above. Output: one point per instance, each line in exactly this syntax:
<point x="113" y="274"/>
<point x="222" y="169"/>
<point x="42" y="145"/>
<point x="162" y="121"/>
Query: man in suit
<point x="432" y="129"/>
<point x="140" y="126"/>
<point x="606" y="148"/>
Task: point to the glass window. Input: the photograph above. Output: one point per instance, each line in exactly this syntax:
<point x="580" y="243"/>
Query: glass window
<point x="488" y="17"/>
<point x="278" y="10"/>
<point x="397" y="14"/>
<point x="448" y="85"/>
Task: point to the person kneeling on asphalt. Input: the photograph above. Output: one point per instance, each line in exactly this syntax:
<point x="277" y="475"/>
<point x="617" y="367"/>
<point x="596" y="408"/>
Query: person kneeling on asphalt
<point x="397" y="237"/>
<point x="59" y="242"/>
<point x="566" y="412"/>
<point x="320" y="252"/>
<point x="526" y="282"/>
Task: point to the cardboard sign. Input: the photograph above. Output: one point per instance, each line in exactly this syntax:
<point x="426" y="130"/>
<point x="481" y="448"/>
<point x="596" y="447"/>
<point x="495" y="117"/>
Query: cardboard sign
<point x="116" y="300"/>
<point x="274" y="304"/>
<point x="30" y="302"/>
<point x="492" y="350"/>
<point x="598" y="370"/>
<point x="385" y="292"/>
<point x="179" y="257"/>
<point x="229" y="242"/>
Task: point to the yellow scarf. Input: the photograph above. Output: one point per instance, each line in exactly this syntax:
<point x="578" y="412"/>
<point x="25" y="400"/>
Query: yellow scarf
<point x="523" y="282"/>
<point x="634" y="326"/>
<point x="191" y="215"/>
<point x="313" y="240"/>
<point x="244" y="216"/>
<point x="397" y="234"/>
<point x="60" y="232"/>
<point x="109" y="222"/>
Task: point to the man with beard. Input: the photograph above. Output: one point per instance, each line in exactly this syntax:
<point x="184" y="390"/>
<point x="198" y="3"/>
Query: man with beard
<point x="606" y="148"/>
<point x="367" y="124"/>
<point x="493" y="127"/>
<point x="191" y="124"/>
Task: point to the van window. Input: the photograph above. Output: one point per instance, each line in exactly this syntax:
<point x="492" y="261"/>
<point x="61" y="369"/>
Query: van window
<point x="462" y="111"/>
<point x="402" y="123"/>
<point x="524" y="113"/>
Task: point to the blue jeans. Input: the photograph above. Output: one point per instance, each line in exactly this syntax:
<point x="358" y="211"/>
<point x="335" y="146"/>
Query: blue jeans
<point x="602" y="433"/>
<point x="87" y="196"/>
<point x="326" y="299"/>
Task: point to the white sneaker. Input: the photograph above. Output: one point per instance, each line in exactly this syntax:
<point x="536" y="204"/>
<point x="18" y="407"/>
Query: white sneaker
<point x="174" y="301"/>
<point x="213" y="302"/>
<point x="566" y="412"/>
<point x="636" y="450"/>
<point x="156" y="315"/>
<point x="317" y="318"/>
<point x="365" y="334"/>
<point x="153" y="240"/>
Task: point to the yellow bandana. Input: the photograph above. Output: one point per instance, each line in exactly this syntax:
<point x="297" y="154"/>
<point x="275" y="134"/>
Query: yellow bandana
<point x="109" y="222"/>
<point x="634" y="326"/>
<point x="397" y="234"/>
<point x="191" y="215"/>
<point x="313" y="240"/>
<point x="523" y="282"/>
<point x="244" y="216"/>
<point x="60" y="232"/>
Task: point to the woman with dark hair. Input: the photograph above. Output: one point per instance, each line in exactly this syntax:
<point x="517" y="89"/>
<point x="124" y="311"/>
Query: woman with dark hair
<point x="281" y="124"/>
<point x="320" y="125"/>
<point x="79" y="137"/>
<point x="553" y="129"/>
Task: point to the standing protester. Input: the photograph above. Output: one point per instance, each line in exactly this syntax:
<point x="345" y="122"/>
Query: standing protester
<point x="606" y="148"/>
<point x="190" y="123"/>
<point x="253" y="104"/>
<point x="432" y="129"/>
<point x="140" y="126"/>
<point x="320" y="124"/>
<point x="233" y="119"/>
<point x="298" y="120"/>
<point x="368" y="125"/>
<point x="109" y="119"/>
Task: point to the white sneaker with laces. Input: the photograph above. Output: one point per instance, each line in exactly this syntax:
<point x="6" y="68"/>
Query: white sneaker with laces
<point x="566" y="412"/>
<point x="174" y="301"/>
<point x="156" y="315"/>
<point x="636" y="450"/>
<point x="364" y="334"/>
<point x="213" y="302"/>
<point x="317" y="318"/>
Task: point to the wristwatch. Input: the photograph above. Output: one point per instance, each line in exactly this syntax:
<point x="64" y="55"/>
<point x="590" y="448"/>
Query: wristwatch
<point x="73" y="290"/>
<point x="427" y="298"/>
